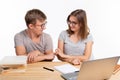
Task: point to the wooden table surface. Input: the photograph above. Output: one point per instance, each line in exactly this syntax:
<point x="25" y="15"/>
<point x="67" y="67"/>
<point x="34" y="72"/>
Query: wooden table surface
<point x="35" y="71"/>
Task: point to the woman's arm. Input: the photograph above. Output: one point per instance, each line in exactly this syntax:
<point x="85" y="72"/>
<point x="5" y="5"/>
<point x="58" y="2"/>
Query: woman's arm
<point x="87" y="53"/>
<point x="73" y="59"/>
<point x="60" y="53"/>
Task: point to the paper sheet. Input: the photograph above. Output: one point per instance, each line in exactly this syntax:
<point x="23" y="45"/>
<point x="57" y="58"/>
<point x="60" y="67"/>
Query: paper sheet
<point x="66" y="68"/>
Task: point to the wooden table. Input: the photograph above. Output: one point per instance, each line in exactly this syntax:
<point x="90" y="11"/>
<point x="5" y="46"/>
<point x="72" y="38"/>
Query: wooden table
<point x="35" y="71"/>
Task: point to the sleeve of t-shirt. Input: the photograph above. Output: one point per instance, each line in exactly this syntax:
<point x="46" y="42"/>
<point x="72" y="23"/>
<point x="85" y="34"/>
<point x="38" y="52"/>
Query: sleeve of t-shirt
<point x="49" y="43"/>
<point x="62" y="36"/>
<point x="89" y="38"/>
<point x="18" y="41"/>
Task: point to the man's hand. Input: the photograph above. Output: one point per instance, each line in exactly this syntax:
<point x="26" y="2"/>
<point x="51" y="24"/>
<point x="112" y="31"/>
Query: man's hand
<point x="33" y="55"/>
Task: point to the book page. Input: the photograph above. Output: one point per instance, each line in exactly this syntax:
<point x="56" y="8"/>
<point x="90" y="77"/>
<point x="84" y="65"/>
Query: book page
<point x="66" y="68"/>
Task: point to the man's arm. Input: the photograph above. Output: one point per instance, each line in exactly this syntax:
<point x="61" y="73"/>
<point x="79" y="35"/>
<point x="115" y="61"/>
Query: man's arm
<point x="48" y="55"/>
<point x="34" y="56"/>
<point x="20" y="50"/>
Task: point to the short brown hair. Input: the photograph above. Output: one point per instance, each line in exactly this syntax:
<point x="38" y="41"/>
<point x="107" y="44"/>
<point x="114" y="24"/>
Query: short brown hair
<point x="33" y="15"/>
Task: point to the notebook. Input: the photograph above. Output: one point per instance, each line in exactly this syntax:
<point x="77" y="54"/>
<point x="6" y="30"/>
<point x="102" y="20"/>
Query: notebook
<point x="99" y="69"/>
<point x="66" y="68"/>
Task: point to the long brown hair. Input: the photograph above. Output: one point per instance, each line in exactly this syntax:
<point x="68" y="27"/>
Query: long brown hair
<point x="82" y="19"/>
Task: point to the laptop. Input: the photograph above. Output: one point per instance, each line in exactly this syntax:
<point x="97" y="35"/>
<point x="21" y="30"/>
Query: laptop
<point x="99" y="69"/>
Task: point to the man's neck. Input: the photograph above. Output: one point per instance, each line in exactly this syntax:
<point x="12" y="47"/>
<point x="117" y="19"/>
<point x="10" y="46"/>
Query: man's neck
<point x="32" y="35"/>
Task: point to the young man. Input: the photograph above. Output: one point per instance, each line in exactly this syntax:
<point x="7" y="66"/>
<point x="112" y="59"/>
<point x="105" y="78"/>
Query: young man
<point x="33" y="42"/>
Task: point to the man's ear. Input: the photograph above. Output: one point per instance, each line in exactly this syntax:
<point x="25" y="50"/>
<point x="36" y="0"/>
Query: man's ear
<point x="30" y="26"/>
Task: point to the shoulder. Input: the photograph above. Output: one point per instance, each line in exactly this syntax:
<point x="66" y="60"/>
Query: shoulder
<point x="20" y="34"/>
<point x="64" y="33"/>
<point x="46" y="38"/>
<point x="46" y="35"/>
<point x="89" y="37"/>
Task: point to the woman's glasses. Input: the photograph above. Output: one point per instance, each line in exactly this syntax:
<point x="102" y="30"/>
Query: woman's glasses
<point x="73" y="23"/>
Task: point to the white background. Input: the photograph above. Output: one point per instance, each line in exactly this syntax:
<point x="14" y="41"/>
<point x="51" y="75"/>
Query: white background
<point x="103" y="20"/>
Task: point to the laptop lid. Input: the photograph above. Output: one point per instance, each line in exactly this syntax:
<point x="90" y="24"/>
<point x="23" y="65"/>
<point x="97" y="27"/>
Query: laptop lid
<point x="99" y="69"/>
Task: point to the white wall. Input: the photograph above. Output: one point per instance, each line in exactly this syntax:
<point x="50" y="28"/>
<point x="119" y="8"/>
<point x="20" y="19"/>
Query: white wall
<point x="103" y="20"/>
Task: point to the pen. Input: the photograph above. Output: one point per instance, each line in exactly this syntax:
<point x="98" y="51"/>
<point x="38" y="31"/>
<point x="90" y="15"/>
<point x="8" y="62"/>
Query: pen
<point x="48" y="69"/>
<point x="76" y="71"/>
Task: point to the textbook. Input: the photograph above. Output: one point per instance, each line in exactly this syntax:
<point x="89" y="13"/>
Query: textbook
<point x="66" y="68"/>
<point x="14" y="63"/>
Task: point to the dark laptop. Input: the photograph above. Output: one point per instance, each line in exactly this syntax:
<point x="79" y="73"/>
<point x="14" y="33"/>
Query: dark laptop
<point x="99" y="69"/>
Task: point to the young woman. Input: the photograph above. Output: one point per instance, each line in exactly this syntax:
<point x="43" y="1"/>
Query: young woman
<point x="75" y="44"/>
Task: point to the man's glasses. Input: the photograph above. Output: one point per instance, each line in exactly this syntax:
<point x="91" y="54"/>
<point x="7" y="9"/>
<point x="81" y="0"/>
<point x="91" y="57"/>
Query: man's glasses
<point x="42" y="25"/>
<point x="72" y="23"/>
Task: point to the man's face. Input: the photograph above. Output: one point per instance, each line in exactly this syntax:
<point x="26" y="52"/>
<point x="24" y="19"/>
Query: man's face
<point x="38" y="28"/>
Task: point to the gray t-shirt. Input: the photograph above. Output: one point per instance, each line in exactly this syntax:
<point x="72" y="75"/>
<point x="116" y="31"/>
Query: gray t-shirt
<point x="71" y="48"/>
<point x="22" y="39"/>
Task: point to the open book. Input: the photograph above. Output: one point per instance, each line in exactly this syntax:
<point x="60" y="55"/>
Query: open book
<point x="66" y="68"/>
<point x="14" y="63"/>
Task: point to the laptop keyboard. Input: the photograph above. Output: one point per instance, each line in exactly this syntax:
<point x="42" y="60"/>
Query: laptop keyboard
<point x="70" y="76"/>
<point x="73" y="78"/>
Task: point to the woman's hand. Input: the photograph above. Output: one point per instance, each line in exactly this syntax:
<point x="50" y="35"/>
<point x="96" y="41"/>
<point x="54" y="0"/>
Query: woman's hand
<point x="75" y="61"/>
<point x="59" y="53"/>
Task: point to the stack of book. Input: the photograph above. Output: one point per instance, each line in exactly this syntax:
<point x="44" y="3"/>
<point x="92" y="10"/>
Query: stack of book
<point x="14" y="63"/>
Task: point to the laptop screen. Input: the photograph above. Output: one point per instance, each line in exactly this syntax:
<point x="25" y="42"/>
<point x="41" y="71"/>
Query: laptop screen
<point x="99" y="69"/>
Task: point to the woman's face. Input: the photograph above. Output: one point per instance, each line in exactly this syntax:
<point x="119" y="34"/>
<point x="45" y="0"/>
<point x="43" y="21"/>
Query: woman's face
<point x="74" y="24"/>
